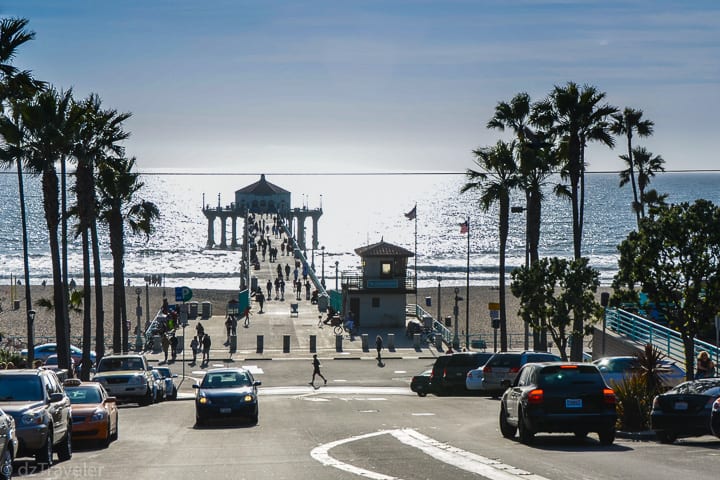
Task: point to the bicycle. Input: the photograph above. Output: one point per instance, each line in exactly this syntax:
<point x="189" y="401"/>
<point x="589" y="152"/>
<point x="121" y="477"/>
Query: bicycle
<point x="428" y="336"/>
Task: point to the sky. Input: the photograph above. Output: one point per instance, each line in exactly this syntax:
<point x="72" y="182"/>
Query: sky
<point x="374" y="85"/>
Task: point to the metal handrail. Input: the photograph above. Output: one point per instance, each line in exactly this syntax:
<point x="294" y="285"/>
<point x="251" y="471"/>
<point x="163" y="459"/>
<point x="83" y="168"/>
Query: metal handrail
<point x="644" y="331"/>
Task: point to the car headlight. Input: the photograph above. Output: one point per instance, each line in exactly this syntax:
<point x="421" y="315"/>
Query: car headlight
<point x="248" y="398"/>
<point x="136" y="380"/>
<point x="203" y="400"/>
<point x="36" y="417"/>
<point x="98" y="415"/>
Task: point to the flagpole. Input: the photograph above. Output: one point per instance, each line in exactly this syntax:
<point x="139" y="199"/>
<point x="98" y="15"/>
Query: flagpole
<point x="467" y="292"/>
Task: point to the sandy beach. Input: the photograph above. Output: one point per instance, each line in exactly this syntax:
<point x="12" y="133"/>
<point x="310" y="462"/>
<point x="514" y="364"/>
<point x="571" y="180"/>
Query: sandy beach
<point x="13" y="322"/>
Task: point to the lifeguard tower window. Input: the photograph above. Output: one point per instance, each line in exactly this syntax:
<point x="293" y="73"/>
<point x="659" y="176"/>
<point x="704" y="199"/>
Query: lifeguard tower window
<point x="386" y="269"/>
<point x="375" y="302"/>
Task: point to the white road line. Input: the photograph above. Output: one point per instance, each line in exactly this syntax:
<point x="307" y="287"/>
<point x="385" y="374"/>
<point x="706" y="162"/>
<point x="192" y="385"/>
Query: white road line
<point x="470" y="462"/>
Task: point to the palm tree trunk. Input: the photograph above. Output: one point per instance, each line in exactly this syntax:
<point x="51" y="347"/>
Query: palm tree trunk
<point x="631" y="167"/>
<point x="87" y="319"/>
<point x="99" y="303"/>
<point x="50" y="197"/>
<point x="115" y="226"/>
<point x="63" y="240"/>
<point x="26" y="264"/>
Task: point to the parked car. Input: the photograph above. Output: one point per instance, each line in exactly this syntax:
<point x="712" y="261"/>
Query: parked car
<point x="8" y="445"/>
<point x="449" y="371"/>
<point x="616" y="369"/>
<point x="42" y="352"/>
<point x="502" y="368"/>
<point x="126" y="377"/>
<point x="226" y="393"/>
<point x="558" y="397"/>
<point x="158" y="386"/>
<point x="42" y="413"/>
<point x="94" y="413"/>
<point x="685" y="410"/>
<point x="420" y="383"/>
<point x="170" y="387"/>
<point x="715" y="418"/>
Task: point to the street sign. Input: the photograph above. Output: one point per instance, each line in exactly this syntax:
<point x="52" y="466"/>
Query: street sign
<point x="495" y="318"/>
<point x="493" y="306"/>
<point x="182" y="294"/>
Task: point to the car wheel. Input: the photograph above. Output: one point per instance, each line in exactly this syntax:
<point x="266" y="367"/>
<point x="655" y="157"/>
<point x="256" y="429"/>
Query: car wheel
<point x="65" y="447"/>
<point x="526" y="435"/>
<point x="44" y="456"/>
<point x="147" y="399"/>
<point x="6" y="466"/>
<point x="116" y="433"/>
<point x="666" y="436"/>
<point x="174" y="394"/>
<point x="199" y="421"/>
<point x="607" y="437"/>
<point x="507" y="430"/>
<point x="106" y="441"/>
<point x="422" y="393"/>
<point x="581" y="434"/>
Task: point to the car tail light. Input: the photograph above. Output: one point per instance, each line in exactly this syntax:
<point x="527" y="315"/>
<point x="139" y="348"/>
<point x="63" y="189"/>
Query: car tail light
<point x="444" y="372"/>
<point x="487" y="369"/>
<point x="568" y="367"/>
<point x="535" y="396"/>
<point x="514" y="369"/>
<point x="609" y="396"/>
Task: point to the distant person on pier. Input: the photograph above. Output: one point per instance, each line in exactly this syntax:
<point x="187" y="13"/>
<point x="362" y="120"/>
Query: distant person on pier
<point x="269" y="287"/>
<point x="307" y="290"/>
<point x="287" y="270"/>
<point x="260" y="298"/>
<point x="194" y="346"/>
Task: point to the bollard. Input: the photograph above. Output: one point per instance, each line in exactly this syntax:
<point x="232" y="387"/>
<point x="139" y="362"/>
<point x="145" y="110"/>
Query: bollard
<point x="416" y="340"/>
<point x="286" y="343"/>
<point x="260" y="342"/>
<point x="233" y="344"/>
<point x="180" y="344"/>
<point x="439" y="342"/>
<point x="313" y="343"/>
<point x="338" y="343"/>
<point x="391" y="342"/>
<point x="157" y="344"/>
<point x="364" y="342"/>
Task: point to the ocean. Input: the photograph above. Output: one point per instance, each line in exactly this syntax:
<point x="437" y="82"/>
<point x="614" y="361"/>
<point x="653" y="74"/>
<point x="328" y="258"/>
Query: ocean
<point x="358" y="210"/>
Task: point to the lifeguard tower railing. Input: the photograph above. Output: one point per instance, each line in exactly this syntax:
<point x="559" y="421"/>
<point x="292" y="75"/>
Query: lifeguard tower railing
<point x="437" y="326"/>
<point x="643" y="331"/>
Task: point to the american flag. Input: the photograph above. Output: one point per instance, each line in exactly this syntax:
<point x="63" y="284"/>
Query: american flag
<point x="464" y="227"/>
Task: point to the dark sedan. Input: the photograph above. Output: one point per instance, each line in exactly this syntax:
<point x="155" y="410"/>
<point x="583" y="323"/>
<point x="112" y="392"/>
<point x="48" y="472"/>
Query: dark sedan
<point x="715" y="418"/>
<point x="8" y="445"/>
<point x="558" y="397"/>
<point x="226" y="394"/>
<point x="685" y="411"/>
<point x="420" y="383"/>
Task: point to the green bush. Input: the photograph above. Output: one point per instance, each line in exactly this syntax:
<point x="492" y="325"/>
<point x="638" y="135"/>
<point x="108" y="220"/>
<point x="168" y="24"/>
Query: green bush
<point x="634" y="404"/>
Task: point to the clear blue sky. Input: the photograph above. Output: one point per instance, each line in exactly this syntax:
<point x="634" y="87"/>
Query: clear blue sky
<point x="269" y="86"/>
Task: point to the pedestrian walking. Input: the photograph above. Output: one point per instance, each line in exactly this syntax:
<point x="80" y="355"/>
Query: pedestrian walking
<point x="165" y="342"/>
<point x="173" y="346"/>
<point x="199" y="330"/>
<point x="269" y="287"/>
<point x="228" y="329"/>
<point x="379" y="347"/>
<point x="194" y="346"/>
<point x="316" y="371"/>
<point x="206" y="343"/>
<point x="246" y="315"/>
<point x="260" y="298"/>
<point x="287" y="270"/>
<point x="705" y="367"/>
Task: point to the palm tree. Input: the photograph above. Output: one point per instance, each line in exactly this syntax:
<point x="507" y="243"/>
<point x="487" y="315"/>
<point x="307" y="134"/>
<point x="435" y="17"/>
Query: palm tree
<point x="625" y="123"/>
<point x="118" y="187"/>
<point x="16" y="86"/>
<point x="497" y="177"/>
<point x="45" y="119"/>
<point x="98" y="132"/>
<point x="576" y="116"/>
<point x="647" y="166"/>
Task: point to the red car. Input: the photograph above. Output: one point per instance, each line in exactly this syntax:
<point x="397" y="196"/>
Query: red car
<point x="94" y="413"/>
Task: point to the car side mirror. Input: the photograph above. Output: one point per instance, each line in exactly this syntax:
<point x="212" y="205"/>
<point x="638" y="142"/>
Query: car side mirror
<point x="175" y="375"/>
<point x="195" y="385"/>
<point x="257" y="383"/>
<point x="111" y="400"/>
<point x="56" y="397"/>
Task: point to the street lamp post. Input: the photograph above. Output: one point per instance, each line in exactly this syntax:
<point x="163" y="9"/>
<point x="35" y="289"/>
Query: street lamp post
<point x="456" y="311"/>
<point x="337" y="263"/>
<point x="322" y="279"/>
<point x="138" y="312"/>
<point x="439" y="279"/>
<point x="31" y="336"/>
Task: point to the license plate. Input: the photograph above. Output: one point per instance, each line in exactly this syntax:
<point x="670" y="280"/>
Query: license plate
<point x="573" y="403"/>
<point x="225" y="410"/>
<point x="681" y="406"/>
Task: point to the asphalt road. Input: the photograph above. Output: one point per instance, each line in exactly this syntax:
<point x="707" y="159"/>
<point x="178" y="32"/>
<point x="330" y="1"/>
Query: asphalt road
<point x="364" y="424"/>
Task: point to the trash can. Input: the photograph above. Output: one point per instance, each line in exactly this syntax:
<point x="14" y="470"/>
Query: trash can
<point x="206" y="310"/>
<point x="233" y="344"/>
<point x="253" y="284"/>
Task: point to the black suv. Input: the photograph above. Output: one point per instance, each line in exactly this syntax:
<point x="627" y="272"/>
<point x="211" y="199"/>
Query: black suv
<point x="41" y="410"/>
<point x="449" y="371"/>
<point x="558" y="397"/>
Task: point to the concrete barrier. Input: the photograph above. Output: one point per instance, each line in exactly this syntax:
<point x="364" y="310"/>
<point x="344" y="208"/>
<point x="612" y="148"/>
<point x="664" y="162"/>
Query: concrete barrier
<point x="364" y="342"/>
<point x="260" y="343"/>
<point x="286" y="343"/>
<point x="416" y="340"/>
<point x="338" y="343"/>
<point x="439" y="342"/>
<point x="391" y="342"/>
<point x="313" y="343"/>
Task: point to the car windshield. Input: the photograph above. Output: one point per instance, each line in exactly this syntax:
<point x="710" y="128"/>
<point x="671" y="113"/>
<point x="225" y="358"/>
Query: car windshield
<point x="115" y="364"/>
<point x="83" y="394"/>
<point x="164" y="372"/>
<point x="565" y="375"/>
<point x="225" y="380"/>
<point x="20" y="388"/>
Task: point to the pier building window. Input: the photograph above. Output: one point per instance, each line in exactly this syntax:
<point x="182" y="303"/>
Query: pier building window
<point x="386" y="269"/>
